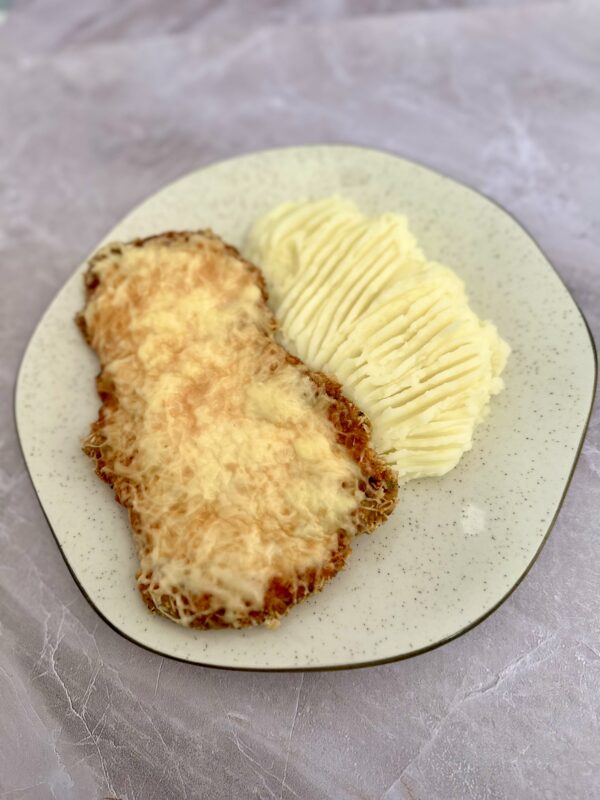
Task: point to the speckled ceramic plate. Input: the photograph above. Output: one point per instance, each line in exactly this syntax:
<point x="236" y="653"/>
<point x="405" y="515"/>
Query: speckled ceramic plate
<point x="455" y="547"/>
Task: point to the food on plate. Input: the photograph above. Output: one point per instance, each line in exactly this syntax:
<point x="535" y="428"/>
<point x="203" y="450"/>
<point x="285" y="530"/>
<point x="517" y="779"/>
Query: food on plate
<point x="356" y="298"/>
<point x="244" y="473"/>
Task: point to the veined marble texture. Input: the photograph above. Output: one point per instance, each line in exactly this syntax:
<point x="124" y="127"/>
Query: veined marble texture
<point x="103" y="103"/>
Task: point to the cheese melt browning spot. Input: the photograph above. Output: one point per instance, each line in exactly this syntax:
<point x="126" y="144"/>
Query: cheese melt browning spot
<point x="356" y="298"/>
<point x="217" y="442"/>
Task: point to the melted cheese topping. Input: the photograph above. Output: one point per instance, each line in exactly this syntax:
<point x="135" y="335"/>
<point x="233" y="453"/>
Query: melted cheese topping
<point x="356" y="298"/>
<point x="223" y="449"/>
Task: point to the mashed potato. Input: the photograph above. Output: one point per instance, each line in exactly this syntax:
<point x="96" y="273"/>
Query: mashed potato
<point x="357" y="298"/>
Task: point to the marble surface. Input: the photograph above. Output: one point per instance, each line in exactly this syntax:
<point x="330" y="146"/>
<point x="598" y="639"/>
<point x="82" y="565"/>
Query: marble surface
<point x="102" y="104"/>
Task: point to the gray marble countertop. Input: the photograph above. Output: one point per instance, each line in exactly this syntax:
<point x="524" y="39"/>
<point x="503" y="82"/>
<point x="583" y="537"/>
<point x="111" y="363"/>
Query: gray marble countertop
<point x="101" y="104"/>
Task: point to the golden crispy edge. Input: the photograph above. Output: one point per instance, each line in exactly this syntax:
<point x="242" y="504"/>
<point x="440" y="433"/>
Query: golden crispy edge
<point x="353" y="432"/>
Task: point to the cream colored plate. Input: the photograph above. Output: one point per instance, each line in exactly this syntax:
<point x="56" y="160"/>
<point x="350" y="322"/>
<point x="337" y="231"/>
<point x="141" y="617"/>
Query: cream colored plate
<point x="455" y="547"/>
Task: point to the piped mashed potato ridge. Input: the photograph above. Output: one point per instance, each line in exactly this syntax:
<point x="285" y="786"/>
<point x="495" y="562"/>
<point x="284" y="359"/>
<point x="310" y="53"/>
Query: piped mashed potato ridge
<point x="356" y="298"/>
<point x="245" y="475"/>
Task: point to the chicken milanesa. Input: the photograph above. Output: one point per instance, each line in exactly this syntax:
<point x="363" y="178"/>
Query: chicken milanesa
<point x="244" y="474"/>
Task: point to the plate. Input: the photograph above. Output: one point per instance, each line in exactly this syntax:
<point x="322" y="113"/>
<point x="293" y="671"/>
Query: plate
<point x="455" y="547"/>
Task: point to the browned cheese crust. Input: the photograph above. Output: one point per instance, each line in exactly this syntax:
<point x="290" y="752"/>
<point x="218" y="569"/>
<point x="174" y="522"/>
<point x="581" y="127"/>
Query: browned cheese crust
<point x="352" y="431"/>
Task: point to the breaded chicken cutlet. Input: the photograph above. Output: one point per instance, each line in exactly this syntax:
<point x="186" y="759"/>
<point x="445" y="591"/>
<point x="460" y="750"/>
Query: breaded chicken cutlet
<point x="245" y="475"/>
